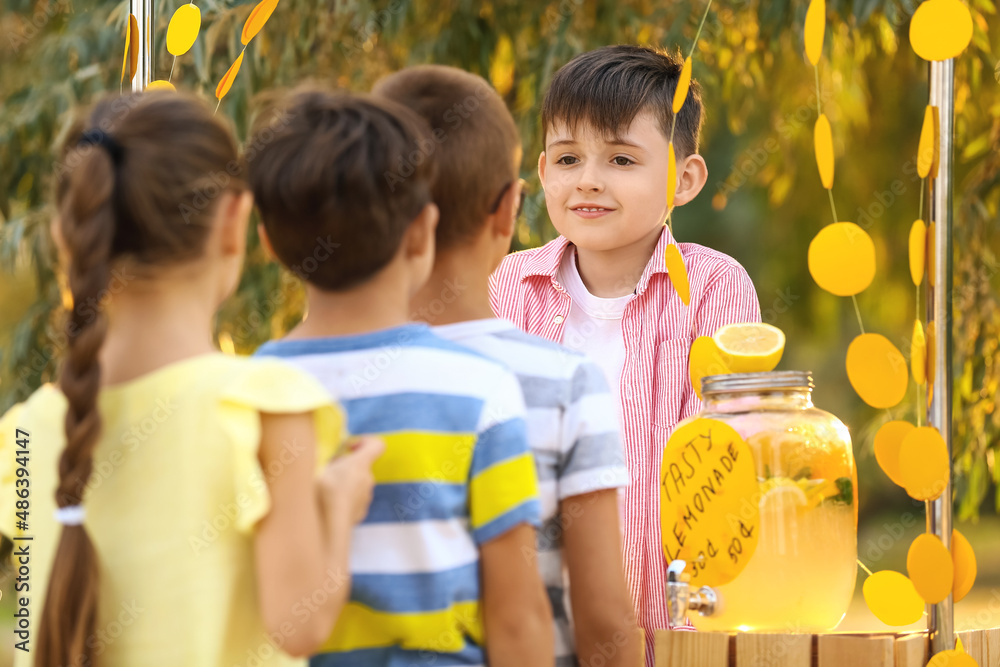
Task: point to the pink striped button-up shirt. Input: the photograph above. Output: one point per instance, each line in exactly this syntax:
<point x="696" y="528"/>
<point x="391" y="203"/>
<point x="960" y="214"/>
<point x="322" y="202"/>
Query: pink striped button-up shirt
<point x="655" y="387"/>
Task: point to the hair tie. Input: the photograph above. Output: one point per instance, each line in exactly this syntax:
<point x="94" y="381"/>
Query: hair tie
<point x="71" y="515"/>
<point x="96" y="137"/>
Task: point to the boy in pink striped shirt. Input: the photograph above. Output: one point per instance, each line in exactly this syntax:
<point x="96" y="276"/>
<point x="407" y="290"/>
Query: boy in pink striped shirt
<point x="602" y="288"/>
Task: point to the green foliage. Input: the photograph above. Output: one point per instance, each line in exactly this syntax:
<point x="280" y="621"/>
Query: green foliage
<point x="763" y="202"/>
<point x="977" y="333"/>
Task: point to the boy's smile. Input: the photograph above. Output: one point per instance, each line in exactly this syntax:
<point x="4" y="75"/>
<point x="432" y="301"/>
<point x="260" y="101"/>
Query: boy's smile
<point x="591" y="210"/>
<point x="605" y="193"/>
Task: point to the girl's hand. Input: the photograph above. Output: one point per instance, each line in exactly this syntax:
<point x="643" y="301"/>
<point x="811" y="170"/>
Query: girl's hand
<point x="347" y="481"/>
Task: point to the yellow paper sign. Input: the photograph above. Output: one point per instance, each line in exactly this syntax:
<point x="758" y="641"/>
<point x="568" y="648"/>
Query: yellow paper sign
<point x="709" y="501"/>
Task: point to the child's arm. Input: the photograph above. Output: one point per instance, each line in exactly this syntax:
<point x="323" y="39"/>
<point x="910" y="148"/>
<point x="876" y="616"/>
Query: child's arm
<point x="591" y="469"/>
<point x="503" y="509"/>
<point x="302" y="545"/>
<point x="602" y="607"/>
<point x="516" y="609"/>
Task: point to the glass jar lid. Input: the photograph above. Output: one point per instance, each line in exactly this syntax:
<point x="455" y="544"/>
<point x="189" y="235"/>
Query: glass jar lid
<point x="757" y="382"/>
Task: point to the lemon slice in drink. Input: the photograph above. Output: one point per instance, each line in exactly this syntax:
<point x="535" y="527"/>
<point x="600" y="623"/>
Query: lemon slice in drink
<point x="784" y="493"/>
<point x="781" y="503"/>
<point x="750" y="347"/>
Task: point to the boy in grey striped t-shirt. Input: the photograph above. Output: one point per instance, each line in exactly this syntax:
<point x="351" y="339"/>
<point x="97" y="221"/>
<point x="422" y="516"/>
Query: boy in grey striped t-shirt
<point x="573" y="427"/>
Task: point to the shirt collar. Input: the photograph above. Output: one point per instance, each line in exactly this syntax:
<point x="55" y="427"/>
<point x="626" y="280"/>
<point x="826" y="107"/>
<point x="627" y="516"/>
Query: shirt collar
<point x="546" y="261"/>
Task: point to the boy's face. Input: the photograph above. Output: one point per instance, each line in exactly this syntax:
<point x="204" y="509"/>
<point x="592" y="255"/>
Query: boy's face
<point x="625" y="180"/>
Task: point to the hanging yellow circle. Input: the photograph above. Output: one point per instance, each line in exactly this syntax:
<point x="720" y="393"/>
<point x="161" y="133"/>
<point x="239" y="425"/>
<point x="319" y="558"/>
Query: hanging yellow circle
<point x="892" y="598"/>
<point x="924" y="465"/>
<point x="964" y="561"/>
<point x="940" y="29"/>
<point x="814" y="30"/>
<point x="823" y="145"/>
<point x="183" y="29"/>
<point x="842" y="259"/>
<point x="888" y="440"/>
<point x="877" y="370"/>
<point x="930" y="568"/>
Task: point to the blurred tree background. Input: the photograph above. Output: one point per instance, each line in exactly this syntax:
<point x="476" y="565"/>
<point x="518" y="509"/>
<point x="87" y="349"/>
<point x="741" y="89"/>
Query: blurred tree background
<point x="763" y="202"/>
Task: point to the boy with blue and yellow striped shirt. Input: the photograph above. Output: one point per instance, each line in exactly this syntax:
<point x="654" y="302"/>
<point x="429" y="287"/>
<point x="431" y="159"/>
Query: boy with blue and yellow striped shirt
<point x="573" y="427"/>
<point x="437" y="564"/>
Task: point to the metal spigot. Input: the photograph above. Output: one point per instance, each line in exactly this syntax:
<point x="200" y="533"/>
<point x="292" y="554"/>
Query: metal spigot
<point x="680" y="599"/>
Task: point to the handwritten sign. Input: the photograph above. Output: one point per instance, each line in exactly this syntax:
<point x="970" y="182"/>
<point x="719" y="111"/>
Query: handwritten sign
<point x="709" y="499"/>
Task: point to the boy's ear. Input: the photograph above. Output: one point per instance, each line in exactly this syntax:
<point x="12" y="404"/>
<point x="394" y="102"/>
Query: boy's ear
<point x="693" y="173"/>
<point x="265" y="241"/>
<point x="235" y="211"/>
<point x="541" y="168"/>
<point x="419" y="238"/>
<point x="502" y="222"/>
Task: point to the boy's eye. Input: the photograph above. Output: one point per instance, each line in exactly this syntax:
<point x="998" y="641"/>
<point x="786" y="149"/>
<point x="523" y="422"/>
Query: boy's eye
<point x="622" y="161"/>
<point x="567" y="159"/>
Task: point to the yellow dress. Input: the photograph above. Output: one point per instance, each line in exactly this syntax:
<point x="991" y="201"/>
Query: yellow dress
<point x="171" y="505"/>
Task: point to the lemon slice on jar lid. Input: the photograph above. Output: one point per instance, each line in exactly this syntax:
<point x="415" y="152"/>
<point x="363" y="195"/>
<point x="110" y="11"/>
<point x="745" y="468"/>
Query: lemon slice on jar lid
<point x="751" y="347"/>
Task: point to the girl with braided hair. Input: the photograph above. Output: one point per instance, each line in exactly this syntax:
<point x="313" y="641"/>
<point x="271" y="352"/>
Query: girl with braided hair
<point x="182" y="507"/>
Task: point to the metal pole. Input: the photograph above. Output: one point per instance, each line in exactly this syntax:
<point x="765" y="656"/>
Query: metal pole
<point x="143" y="11"/>
<point x="940" y="617"/>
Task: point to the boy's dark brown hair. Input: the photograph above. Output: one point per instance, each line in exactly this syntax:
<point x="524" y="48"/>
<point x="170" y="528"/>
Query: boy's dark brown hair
<point x="476" y="142"/>
<point x="137" y="178"/>
<point x="609" y="86"/>
<point x="333" y="169"/>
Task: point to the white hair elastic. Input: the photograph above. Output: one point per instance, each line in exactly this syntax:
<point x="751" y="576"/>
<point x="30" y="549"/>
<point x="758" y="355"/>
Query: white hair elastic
<point x="71" y="515"/>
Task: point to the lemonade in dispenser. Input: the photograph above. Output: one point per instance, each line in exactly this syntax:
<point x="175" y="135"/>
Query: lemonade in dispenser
<point x="794" y="511"/>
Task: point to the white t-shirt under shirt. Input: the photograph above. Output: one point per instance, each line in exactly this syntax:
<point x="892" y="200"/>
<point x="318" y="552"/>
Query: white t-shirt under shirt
<point x="594" y="325"/>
